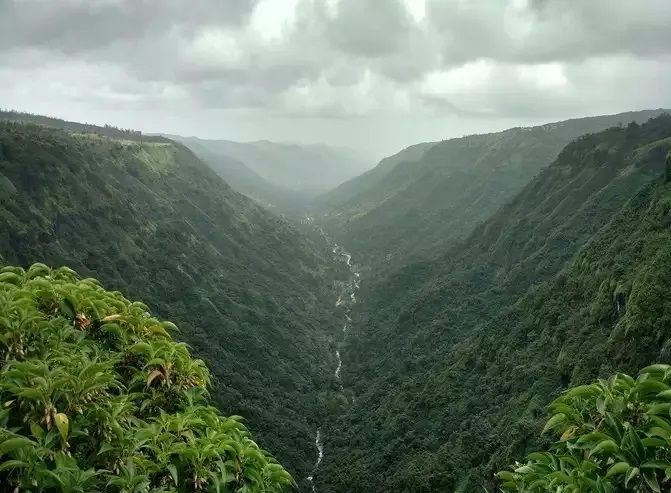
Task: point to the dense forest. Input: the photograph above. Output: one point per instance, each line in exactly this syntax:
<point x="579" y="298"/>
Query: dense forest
<point x="534" y="272"/>
<point x="430" y="197"/>
<point x="252" y="294"/>
<point x="454" y="360"/>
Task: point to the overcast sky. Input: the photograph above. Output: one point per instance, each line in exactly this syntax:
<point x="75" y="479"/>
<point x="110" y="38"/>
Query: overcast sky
<point x="374" y="74"/>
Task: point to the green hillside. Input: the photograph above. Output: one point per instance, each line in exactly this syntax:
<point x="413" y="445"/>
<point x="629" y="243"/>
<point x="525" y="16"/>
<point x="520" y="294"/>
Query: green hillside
<point x="419" y="208"/>
<point x="452" y="361"/>
<point x="250" y="293"/>
<point x="343" y="194"/>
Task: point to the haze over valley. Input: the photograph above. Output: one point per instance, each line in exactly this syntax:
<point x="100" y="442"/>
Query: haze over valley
<point x="335" y="246"/>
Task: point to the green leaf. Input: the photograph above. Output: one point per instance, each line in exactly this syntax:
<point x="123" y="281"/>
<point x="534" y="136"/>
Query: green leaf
<point x="554" y="421"/>
<point x="14" y="443"/>
<point x="661" y="408"/>
<point x="608" y="446"/>
<point x="633" y="472"/>
<point x="105" y="447"/>
<point x="68" y="308"/>
<point x="651" y="387"/>
<point x="13" y="464"/>
<point x="506" y="475"/>
<point x="654" y="442"/>
<point x="11" y="278"/>
<point x="656" y="464"/>
<point x="639" y="450"/>
<point x="36" y="430"/>
<point x="618" y="468"/>
<point x="651" y="478"/>
<point x="656" y="368"/>
<point x="173" y="473"/>
<point x="34" y="394"/>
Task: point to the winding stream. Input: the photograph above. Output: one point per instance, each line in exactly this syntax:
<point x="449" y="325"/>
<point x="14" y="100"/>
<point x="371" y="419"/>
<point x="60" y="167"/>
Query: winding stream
<point x="346" y="298"/>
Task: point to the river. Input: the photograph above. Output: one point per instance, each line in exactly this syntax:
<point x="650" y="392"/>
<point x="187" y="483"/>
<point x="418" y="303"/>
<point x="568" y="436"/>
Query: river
<point x="346" y="298"/>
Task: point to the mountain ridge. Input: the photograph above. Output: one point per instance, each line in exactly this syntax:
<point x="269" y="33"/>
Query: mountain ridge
<point x="423" y="333"/>
<point x="418" y="208"/>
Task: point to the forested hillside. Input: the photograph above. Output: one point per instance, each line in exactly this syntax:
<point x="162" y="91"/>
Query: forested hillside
<point x="343" y="194"/>
<point x="249" y="292"/>
<point x="452" y="361"/>
<point x="419" y="208"/>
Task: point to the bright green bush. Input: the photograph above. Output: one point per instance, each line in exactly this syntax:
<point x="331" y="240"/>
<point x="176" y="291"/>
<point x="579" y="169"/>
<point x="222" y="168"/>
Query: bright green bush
<point x="614" y="436"/>
<point x="97" y="397"/>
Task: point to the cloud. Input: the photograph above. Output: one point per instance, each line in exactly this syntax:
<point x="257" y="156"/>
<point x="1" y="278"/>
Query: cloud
<point x="338" y="59"/>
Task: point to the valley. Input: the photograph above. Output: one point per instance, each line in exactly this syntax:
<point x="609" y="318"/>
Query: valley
<point x="426" y="370"/>
<point x="335" y="246"/>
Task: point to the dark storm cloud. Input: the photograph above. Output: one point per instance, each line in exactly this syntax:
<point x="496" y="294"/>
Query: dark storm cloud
<point x="343" y="58"/>
<point x="549" y="30"/>
<point x="369" y="27"/>
<point x="74" y="26"/>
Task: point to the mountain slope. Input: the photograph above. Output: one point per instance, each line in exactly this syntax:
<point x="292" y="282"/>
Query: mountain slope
<point x="249" y="292"/>
<point x="452" y="360"/>
<point x="346" y="192"/>
<point x="243" y="179"/>
<point x="420" y="207"/>
<point x="309" y="169"/>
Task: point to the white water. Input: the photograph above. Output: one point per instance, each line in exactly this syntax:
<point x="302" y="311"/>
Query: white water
<point x="320" y="456"/>
<point x="353" y="285"/>
<point x="337" y="372"/>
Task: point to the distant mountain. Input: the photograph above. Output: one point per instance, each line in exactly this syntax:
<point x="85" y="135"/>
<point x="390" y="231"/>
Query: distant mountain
<point x="244" y="179"/>
<point x="453" y="360"/>
<point x="413" y="209"/>
<point x="308" y="169"/>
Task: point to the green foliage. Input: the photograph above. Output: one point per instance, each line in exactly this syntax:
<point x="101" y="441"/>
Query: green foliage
<point x="251" y="293"/>
<point x="414" y="209"/>
<point x="97" y="397"/>
<point x="106" y="130"/>
<point x="613" y="436"/>
<point x="452" y="361"/>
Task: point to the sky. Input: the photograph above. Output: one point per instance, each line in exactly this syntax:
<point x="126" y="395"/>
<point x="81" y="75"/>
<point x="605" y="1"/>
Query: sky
<point x="374" y="75"/>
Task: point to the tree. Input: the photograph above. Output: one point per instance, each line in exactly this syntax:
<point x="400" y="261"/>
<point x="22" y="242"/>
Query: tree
<point x="613" y="436"/>
<point x="97" y="397"/>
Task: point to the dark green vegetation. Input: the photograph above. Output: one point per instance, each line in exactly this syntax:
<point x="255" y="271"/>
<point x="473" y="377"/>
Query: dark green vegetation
<point x="250" y="292"/>
<point x="454" y="360"/>
<point x="343" y="194"/>
<point x="307" y="169"/>
<point x="613" y="436"/>
<point x="97" y="397"/>
<point x="415" y="209"/>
